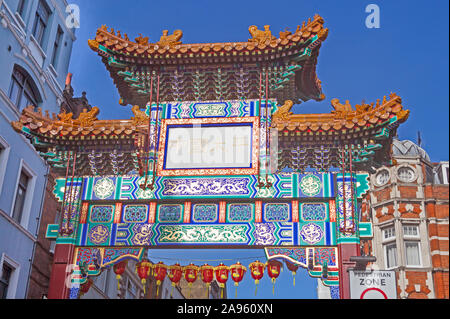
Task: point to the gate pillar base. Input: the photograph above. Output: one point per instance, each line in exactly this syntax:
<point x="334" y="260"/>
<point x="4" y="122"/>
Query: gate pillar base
<point x="59" y="284"/>
<point x="346" y="252"/>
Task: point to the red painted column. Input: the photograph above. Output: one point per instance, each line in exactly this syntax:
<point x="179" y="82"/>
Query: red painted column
<point x="63" y="257"/>
<point x="346" y="251"/>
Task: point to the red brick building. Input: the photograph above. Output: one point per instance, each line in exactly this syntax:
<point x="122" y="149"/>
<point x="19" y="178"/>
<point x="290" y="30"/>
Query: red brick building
<point x="408" y="204"/>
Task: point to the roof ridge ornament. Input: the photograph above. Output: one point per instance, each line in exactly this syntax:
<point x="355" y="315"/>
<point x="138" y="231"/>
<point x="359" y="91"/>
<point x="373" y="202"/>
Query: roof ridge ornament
<point x="170" y="40"/>
<point x="260" y="36"/>
<point x="140" y="117"/>
<point x="142" y="40"/>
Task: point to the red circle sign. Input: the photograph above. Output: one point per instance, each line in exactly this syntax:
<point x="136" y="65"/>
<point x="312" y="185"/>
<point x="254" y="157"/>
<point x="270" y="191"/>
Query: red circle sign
<point x="373" y="289"/>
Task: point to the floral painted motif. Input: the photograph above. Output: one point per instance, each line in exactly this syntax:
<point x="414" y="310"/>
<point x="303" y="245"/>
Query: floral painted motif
<point x="311" y="233"/>
<point x="276" y="212"/>
<point x="104" y="188"/>
<point x="240" y="212"/>
<point x="311" y="185"/>
<point x="210" y="109"/>
<point x="328" y="255"/>
<point x="101" y="213"/>
<point x="170" y="213"/>
<point x="205" y="213"/>
<point x="314" y="212"/>
<point x="135" y="213"/>
<point x="99" y="234"/>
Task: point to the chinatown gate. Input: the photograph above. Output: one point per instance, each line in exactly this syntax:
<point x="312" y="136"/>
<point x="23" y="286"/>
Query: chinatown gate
<point x="200" y="171"/>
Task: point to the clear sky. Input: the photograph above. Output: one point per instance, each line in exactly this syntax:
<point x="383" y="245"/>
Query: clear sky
<point x="408" y="55"/>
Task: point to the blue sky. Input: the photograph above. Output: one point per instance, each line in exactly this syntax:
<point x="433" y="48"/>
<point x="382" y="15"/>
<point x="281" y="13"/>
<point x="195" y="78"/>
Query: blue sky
<point x="408" y="55"/>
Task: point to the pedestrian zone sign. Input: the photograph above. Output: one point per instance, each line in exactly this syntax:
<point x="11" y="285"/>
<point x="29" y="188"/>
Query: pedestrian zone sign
<point x="375" y="284"/>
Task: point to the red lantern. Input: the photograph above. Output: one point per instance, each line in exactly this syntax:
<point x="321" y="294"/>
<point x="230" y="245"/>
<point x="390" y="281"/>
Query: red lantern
<point x="175" y="273"/>
<point x="143" y="270"/>
<point x="207" y="273"/>
<point x="159" y="272"/>
<point x="190" y="274"/>
<point x="119" y="269"/>
<point x="221" y="272"/>
<point x="257" y="272"/>
<point x="84" y="288"/>
<point x="293" y="268"/>
<point x="237" y="273"/>
<point x="274" y="270"/>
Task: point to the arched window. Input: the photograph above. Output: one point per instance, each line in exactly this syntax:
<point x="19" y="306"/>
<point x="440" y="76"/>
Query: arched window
<point x="22" y="91"/>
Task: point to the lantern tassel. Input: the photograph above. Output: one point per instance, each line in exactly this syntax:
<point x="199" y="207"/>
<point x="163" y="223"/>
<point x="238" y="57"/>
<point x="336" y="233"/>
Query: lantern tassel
<point x="273" y="286"/>
<point x="157" y="291"/>
<point x="171" y="292"/>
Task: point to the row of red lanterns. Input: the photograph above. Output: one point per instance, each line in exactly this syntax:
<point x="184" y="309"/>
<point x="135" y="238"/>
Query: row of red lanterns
<point x="207" y="273"/>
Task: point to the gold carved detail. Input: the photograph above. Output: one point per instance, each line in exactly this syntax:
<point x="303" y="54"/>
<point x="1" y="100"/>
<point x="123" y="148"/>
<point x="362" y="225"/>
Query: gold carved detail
<point x="139" y="116"/>
<point x="142" y="40"/>
<point x="341" y="110"/>
<point x="86" y="119"/>
<point x="259" y="36"/>
<point x="284" y="34"/>
<point x="284" y="112"/>
<point x="170" y="40"/>
<point x="93" y="44"/>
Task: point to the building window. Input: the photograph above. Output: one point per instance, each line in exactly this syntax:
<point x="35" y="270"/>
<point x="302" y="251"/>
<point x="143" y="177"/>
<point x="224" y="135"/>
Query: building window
<point x="21" y="7"/>
<point x="389" y="233"/>
<point x="5" y="280"/>
<point x="412" y="251"/>
<point x="391" y="255"/>
<point x="22" y="91"/>
<point x="57" y="47"/>
<point x="40" y="22"/>
<point x="20" y="197"/>
<point x="442" y="173"/>
<point x="406" y="174"/>
<point x="410" y="231"/>
<point x="389" y="246"/>
<point x="382" y="177"/>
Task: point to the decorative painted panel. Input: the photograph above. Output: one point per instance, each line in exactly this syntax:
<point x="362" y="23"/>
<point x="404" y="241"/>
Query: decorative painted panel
<point x="203" y="234"/>
<point x="313" y="211"/>
<point x="307" y="257"/>
<point x="101" y="213"/>
<point x="170" y="213"/>
<point x="135" y="213"/>
<point x="285" y="185"/>
<point x="277" y="212"/>
<point x="238" y="108"/>
<point x="205" y="213"/>
<point x="238" y="213"/>
<point x="191" y="162"/>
